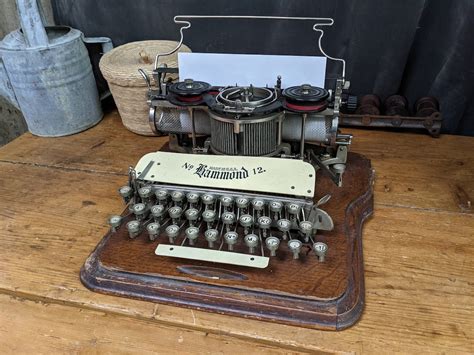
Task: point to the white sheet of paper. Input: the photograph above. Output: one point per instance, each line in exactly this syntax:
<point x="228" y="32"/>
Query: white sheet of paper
<point x="258" y="70"/>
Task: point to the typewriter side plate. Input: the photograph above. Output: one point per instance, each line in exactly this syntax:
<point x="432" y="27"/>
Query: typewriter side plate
<point x="304" y="292"/>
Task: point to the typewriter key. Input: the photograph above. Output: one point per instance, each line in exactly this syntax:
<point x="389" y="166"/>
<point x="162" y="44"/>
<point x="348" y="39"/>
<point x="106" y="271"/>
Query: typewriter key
<point x="126" y="192"/>
<point x="242" y="202"/>
<point x="192" y="233"/>
<point x="295" y="246"/>
<point x="175" y="213"/>
<point x="231" y="238"/>
<point x="211" y="236"/>
<point x="191" y="214"/>
<point x="284" y="226"/>
<point x="320" y="249"/>
<point x="227" y="201"/>
<point x="251" y="240"/>
<point x="258" y="204"/>
<point x="272" y="244"/>
<point x="162" y="196"/>
<point x="246" y="221"/>
<point x="133" y="228"/>
<point x="228" y="218"/>
<point x="306" y="227"/>
<point x="157" y="211"/>
<point x="177" y="197"/>
<point x="264" y="223"/>
<point x="114" y="222"/>
<point x="276" y="206"/>
<point x="293" y="208"/>
<point x="140" y="210"/>
<point x="293" y="211"/>
<point x="172" y="232"/>
<point x="153" y="230"/>
<point x="192" y="197"/>
<point x="145" y="193"/>
<point x="208" y="199"/>
<point x="209" y="217"/>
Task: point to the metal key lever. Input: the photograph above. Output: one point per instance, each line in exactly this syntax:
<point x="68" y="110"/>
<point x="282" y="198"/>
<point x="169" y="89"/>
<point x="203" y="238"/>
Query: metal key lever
<point x="140" y="210"/>
<point x="153" y="230"/>
<point x="134" y="229"/>
<point x="175" y="213"/>
<point x="228" y="218"/>
<point x="191" y="215"/>
<point x="306" y="228"/>
<point x="320" y="249"/>
<point x="272" y="244"/>
<point x="284" y="226"/>
<point x="126" y="192"/>
<point x="172" y="232"/>
<point x="193" y="199"/>
<point x="246" y="221"/>
<point x="212" y="236"/>
<point x="231" y="239"/>
<point x="177" y="197"/>
<point x="162" y="196"/>
<point x="251" y="241"/>
<point x="158" y="211"/>
<point x="264" y="224"/>
<point x="295" y="246"/>
<point x="275" y="208"/>
<point x="209" y="216"/>
<point x="145" y="193"/>
<point x="192" y="234"/>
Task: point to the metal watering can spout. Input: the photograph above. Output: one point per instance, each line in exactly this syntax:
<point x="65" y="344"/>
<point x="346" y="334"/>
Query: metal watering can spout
<point x="31" y="20"/>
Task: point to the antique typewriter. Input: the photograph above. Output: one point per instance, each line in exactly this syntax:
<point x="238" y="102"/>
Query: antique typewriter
<point x="235" y="191"/>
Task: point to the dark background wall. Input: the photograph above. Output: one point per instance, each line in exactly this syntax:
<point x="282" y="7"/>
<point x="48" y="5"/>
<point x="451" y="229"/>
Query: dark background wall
<point x="415" y="47"/>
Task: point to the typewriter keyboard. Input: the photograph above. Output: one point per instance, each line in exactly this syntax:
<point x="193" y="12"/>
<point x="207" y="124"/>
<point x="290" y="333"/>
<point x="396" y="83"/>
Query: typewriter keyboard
<point x="221" y="226"/>
<point x="206" y="208"/>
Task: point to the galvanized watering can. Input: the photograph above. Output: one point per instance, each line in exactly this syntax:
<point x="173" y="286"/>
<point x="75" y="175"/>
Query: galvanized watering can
<point x="47" y="74"/>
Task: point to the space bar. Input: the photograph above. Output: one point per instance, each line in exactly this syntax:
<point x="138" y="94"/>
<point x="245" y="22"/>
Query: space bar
<point x="216" y="256"/>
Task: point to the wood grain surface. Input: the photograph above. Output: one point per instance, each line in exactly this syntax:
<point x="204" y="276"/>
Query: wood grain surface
<point x="57" y="193"/>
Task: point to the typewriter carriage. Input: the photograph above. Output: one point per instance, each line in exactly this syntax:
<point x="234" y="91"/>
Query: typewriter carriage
<point x="204" y="119"/>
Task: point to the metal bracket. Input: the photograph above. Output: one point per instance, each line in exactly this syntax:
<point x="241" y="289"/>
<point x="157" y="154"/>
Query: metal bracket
<point x="184" y="20"/>
<point x="215" y="256"/>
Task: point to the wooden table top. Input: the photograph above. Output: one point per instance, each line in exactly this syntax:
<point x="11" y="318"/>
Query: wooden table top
<point x="418" y="253"/>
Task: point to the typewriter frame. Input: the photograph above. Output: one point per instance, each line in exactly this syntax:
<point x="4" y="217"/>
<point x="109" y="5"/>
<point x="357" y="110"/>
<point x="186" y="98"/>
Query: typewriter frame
<point x="333" y="297"/>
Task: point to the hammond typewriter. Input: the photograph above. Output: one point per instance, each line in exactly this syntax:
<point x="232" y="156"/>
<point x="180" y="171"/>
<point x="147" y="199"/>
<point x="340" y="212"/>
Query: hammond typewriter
<point x="230" y="216"/>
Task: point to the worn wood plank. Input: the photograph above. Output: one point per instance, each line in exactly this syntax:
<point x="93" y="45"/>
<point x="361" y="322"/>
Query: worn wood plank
<point x="419" y="267"/>
<point x="420" y="171"/>
<point x="413" y="170"/>
<point x="39" y="327"/>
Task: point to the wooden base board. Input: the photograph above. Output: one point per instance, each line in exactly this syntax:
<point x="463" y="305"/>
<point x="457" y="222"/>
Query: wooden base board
<point x="304" y="292"/>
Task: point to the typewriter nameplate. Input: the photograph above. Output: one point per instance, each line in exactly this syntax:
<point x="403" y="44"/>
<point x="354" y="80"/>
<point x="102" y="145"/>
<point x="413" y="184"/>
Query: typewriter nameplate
<point x="215" y="256"/>
<point x="271" y="175"/>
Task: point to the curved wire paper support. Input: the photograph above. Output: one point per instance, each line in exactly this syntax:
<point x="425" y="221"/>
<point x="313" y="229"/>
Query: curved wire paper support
<point x="184" y="20"/>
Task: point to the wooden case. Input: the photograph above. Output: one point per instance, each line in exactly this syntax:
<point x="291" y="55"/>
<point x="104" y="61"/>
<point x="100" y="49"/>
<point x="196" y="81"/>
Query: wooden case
<point x="304" y="292"/>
